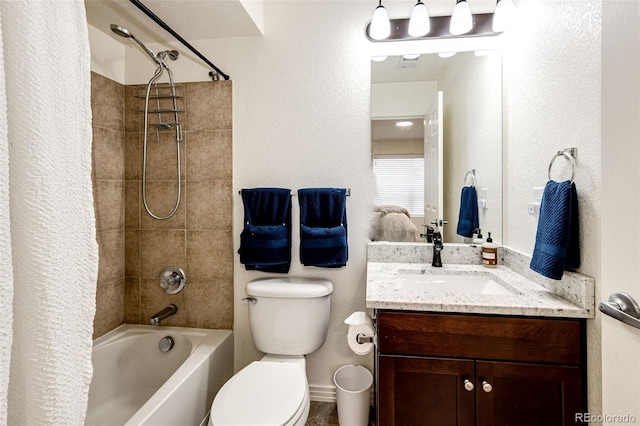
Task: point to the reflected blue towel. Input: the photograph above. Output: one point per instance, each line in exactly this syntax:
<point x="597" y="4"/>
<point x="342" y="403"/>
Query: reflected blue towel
<point x="323" y="227"/>
<point x="265" y="241"/>
<point x="468" y="218"/>
<point x="557" y="245"/>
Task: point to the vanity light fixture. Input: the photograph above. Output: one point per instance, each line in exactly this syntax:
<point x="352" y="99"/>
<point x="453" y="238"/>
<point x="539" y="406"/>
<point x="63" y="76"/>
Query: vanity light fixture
<point x="420" y="26"/>
<point x="503" y="15"/>
<point x="419" y="23"/>
<point x="380" y="27"/>
<point x="446" y="54"/>
<point x="461" y="19"/>
<point x="378" y="58"/>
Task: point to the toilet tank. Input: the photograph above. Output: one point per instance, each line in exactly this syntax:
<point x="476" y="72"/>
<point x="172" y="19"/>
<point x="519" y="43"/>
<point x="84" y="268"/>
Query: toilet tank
<point x="289" y="316"/>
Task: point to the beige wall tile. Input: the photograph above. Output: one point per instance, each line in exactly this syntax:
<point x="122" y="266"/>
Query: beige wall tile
<point x="107" y="103"/>
<point x="209" y="303"/>
<point x="108" y="153"/>
<point x="132" y="253"/>
<point x="133" y="118"/>
<point x="159" y="249"/>
<point x="132" y="312"/>
<point x="162" y="160"/>
<point x="109" y="306"/>
<point x="209" y="106"/>
<point x="209" y="254"/>
<point x="210" y="155"/>
<point x="111" y="255"/>
<point x="109" y="204"/>
<point x="209" y="204"/>
<point x="132" y="195"/>
<point x="161" y="199"/>
<point x="133" y="155"/>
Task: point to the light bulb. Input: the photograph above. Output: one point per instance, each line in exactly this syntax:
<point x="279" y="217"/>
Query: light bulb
<point x="503" y="15"/>
<point x="419" y="24"/>
<point x="461" y="20"/>
<point x="380" y="26"/>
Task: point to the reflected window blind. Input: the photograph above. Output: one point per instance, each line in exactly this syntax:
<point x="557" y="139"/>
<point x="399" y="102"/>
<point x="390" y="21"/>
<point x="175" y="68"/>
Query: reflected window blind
<point x="400" y="182"/>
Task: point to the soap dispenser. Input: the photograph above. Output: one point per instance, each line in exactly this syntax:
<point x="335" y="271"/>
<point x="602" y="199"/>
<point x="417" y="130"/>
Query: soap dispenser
<point x="478" y="239"/>
<point x="489" y="253"/>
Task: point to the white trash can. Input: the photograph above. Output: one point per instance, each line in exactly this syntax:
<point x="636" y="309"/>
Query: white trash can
<point x="353" y="392"/>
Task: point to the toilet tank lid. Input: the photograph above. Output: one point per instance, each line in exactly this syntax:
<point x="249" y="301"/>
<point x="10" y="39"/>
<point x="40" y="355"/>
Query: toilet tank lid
<point x="290" y="287"/>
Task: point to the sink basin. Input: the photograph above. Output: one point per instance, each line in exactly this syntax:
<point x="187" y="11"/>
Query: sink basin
<point x="454" y="283"/>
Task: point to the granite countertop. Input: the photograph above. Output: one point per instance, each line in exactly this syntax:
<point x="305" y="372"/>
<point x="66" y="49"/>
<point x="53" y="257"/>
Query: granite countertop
<point x="385" y="291"/>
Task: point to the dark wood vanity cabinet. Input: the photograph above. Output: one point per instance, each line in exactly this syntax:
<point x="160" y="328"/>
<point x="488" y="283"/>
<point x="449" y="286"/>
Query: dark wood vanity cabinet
<point x="452" y="369"/>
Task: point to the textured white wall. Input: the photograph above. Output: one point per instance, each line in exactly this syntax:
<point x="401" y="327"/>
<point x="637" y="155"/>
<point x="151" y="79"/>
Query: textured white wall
<point x="301" y="118"/>
<point x="552" y="81"/>
<point x="107" y="55"/>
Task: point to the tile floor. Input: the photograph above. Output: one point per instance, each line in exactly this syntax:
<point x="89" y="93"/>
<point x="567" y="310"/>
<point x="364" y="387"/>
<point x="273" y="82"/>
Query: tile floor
<point x="325" y="414"/>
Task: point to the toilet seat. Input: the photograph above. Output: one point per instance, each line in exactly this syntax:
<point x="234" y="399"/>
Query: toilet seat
<point x="263" y="393"/>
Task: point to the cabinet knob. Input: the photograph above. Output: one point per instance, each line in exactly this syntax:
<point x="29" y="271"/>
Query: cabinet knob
<point x="486" y="386"/>
<point x="468" y="385"/>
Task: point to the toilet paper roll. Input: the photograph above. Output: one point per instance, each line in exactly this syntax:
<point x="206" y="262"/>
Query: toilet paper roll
<point x="365" y="328"/>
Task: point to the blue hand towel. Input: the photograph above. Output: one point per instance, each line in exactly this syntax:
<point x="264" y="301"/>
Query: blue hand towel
<point x="265" y="241"/>
<point x="557" y="246"/>
<point x="468" y="218"/>
<point x="323" y="227"/>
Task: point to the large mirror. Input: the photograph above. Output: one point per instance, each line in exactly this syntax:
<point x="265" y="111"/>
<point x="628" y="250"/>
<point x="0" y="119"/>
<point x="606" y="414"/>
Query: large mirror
<point x="436" y="131"/>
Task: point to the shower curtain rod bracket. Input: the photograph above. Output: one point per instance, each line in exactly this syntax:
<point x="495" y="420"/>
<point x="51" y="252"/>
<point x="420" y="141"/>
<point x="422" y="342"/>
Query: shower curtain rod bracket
<point x="170" y="30"/>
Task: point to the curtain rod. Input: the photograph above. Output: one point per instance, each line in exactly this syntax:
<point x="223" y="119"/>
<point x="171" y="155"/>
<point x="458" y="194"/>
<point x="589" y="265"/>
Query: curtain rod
<point x="170" y="30"/>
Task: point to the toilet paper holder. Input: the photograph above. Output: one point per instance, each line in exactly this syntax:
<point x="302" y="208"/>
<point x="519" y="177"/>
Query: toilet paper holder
<point x="361" y="338"/>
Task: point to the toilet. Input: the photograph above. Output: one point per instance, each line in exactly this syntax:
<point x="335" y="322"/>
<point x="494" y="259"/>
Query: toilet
<point x="289" y="318"/>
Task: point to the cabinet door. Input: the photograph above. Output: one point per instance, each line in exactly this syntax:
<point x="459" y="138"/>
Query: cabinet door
<point x="416" y="391"/>
<point x="527" y="394"/>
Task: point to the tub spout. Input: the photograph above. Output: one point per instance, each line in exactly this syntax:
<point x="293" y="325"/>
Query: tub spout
<point x="163" y="314"/>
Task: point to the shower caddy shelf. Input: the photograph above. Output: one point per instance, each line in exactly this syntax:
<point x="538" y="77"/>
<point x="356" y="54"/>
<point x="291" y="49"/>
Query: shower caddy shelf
<point x="163" y="92"/>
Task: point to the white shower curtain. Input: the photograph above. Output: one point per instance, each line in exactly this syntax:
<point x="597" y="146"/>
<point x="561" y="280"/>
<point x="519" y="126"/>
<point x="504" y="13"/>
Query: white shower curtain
<point x="48" y="251"/>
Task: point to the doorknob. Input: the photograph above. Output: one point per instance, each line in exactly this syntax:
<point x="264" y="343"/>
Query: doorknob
<point x="486" y="386"/>
<point x="622" y="307"/>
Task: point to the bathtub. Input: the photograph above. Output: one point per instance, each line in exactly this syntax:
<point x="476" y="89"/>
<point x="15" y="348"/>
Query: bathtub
<point x="135" y="383"/>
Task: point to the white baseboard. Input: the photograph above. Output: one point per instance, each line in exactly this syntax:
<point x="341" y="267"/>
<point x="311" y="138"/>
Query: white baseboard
<point x="327" y="394"/>
<point x="322" y="393"/>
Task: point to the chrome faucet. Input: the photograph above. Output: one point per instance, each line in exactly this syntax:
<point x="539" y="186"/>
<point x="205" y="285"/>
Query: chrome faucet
<point x="437" y="249"/>
<point x="164" y="314"/>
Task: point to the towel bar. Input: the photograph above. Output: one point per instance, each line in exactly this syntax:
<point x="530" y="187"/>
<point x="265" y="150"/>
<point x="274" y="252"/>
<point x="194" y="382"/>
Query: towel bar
<point x="570" y="154"/>
<point x="293" y="195"/>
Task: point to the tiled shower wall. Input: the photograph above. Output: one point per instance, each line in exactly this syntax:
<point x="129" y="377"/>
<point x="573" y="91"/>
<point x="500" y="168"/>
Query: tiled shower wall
<point x="198" y="238"/>
<point x="107" y="106"/>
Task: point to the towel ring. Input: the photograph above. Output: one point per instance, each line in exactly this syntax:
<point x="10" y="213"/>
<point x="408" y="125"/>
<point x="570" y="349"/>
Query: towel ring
<point x="471" y="172"/>
<point x="569" y="157"/>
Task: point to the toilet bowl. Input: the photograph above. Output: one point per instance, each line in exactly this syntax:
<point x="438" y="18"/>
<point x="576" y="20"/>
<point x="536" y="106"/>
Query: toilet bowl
<point x="288" y="318"/>
<point x="268" y="392"/>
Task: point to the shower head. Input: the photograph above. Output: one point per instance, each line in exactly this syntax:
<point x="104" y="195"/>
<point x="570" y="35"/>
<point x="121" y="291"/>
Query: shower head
<point x="123" y="32"/>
